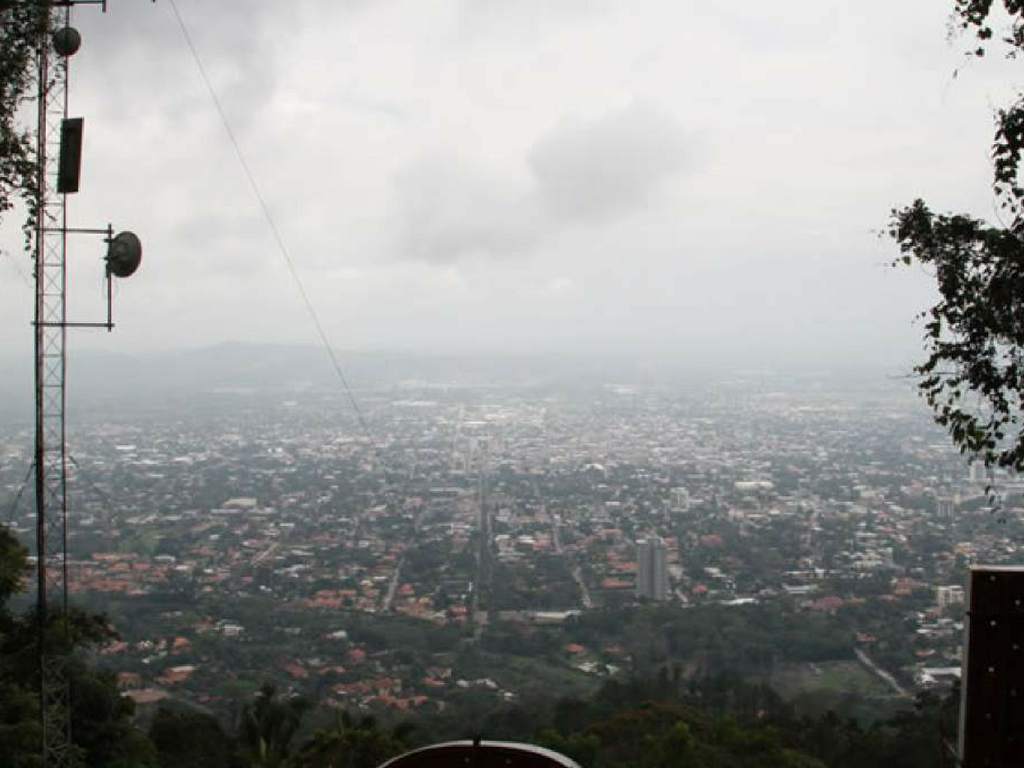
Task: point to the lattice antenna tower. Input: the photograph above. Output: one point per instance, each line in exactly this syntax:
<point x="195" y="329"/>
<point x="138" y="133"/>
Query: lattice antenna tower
<point x="58" y="158"/>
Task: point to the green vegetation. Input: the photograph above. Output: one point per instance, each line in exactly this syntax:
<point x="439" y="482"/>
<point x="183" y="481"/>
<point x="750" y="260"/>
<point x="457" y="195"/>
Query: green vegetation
<point x="19" y="33"/>
<point x="836" y="676"/>
<point x="100" y="717"/>
<point x="973" y="375"/>
<point x="668" y="718"/>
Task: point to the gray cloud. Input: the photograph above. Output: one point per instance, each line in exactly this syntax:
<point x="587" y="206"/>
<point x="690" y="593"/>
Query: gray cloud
<point x="450" y="211"/>
<point x="240" y="56"/>
<point x="523" y="19"/>
<point x="589" y="172"/>
<point x="610" y="166"/>
<point x="452" y="172"/>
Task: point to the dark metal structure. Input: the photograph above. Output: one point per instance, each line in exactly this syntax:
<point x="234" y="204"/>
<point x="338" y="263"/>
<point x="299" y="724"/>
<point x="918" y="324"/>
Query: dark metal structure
<point x="992" y="691"/>
<point x="58" y="159"/>
<point x="481" y="754"/>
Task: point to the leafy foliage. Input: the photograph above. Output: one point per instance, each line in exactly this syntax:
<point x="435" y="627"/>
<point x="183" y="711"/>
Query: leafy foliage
<point x="974" y="335"/>
<point x="268" y="726"/>
<point x="661" y="721"/>
<point x="100" y="717"/>
<point x="21" y="22"/>
<point x="13" y="568"/>
<point x="974" y="15"/>
<point x="185" y="738"/>
<point x="973" y="375"/>
<point x="350" y="745"/>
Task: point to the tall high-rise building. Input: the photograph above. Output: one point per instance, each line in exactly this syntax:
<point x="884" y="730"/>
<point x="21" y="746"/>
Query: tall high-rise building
<point x="680" y="500"/>
<point x="945" y="507"/>
<point x="652" y="570"/>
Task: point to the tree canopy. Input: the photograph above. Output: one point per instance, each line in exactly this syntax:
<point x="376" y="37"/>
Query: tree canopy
<point x="973" y="373"/>
<point x="20" y="31"/>
<point x="100" y="717"/>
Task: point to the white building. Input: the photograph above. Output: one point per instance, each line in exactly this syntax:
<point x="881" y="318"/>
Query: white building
<point x="680" y="500"/>
<point x="947" y="596"/>
<point x="652" y="570"/>
<point x="945" y="507"/>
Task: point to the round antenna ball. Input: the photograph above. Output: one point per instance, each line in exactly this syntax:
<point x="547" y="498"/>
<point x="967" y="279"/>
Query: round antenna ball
<point x="67" y="41"/>
<point x="124" y="254"/>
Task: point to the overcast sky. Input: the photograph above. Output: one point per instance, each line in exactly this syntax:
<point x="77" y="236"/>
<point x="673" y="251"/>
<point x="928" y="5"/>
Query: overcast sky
<point x="688" y="178"/>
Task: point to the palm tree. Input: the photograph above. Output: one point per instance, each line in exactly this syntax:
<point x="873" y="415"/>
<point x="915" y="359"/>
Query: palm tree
<point x="350" y="745"/>
<point x="268" y="725"/>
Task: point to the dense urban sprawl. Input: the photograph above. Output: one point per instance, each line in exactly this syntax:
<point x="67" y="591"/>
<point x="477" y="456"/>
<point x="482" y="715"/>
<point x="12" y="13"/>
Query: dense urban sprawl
<point x="487" y="542"/>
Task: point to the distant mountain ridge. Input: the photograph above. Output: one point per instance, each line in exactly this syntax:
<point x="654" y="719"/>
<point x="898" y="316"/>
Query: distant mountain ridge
<point x="110" y="378"/>
<point x="270" y="367"/>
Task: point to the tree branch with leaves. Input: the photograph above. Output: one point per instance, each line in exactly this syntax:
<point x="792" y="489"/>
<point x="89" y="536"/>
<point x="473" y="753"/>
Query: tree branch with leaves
<point x="973" y="373"/>
<point x="22" y="23"/>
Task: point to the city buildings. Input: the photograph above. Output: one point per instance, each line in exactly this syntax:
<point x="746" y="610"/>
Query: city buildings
<point x="258" y="527"/>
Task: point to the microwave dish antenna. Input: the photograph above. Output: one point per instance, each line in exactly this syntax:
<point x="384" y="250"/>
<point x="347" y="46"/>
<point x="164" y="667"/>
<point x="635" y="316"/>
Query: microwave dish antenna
<point x="124" y="254"/>
<point x="66" y="41"/>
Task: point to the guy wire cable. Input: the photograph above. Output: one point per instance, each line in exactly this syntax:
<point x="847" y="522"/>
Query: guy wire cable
<point x="84" y="475"/>
<point x="278" y="238"/>
<point x="24" y="484"/>
<point x="14" y="265"/>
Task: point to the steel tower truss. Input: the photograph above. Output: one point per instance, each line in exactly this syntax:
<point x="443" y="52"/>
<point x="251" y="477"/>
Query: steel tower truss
<point x="50" y="363"/>
<point x="50" y="235"/>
